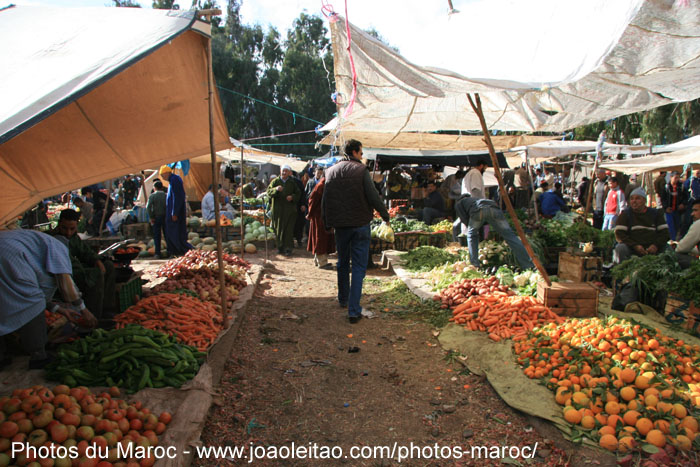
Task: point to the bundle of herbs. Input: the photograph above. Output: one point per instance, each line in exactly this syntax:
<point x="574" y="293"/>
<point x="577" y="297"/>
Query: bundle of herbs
<point x="425" y="258"/>
<point x="649" y="274"/>
<point x="687" y="284"/>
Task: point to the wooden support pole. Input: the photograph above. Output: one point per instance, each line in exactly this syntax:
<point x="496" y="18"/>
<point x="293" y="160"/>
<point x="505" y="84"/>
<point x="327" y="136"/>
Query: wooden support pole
<point x="242" y="199"/>
<point x="104" y="212"/>
<point x="532" y="184"/>
<point x="591" y="186"/>
<point x="214" y="174"/>
<point x="497" y="171"/>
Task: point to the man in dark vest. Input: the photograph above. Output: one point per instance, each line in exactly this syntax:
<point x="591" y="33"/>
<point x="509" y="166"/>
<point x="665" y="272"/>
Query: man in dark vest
<point x="347" y="205"/>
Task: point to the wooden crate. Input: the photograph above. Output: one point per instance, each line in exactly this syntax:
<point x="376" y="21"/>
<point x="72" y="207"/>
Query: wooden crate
<point x="140" y="231"/>
<point x="574" y="299"/>
<point x="579" y="268"/>
<point x="683" y="313"/>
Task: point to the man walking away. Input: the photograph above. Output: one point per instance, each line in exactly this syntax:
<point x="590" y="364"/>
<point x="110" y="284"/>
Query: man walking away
<point x="348" y="202"/>
<point x="156" y="214"/>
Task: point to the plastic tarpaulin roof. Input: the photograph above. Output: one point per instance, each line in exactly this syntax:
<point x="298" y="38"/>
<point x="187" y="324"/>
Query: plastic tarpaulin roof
<point x="560" y="65"/>
<point x="429" y="141"/>
<point x="90" y="94"/>
<point x="670" y="161"/>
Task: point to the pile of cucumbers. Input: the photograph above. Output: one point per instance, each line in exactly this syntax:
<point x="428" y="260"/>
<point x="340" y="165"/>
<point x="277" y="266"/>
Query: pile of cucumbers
<point x="132" y="358"/>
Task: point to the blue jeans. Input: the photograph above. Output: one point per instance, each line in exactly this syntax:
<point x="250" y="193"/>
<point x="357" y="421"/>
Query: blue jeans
<point x="673" y="219"/>
<point x="496" y="220"/>
<point x="158" y="227"/>
<point x="609" y="222"/>
<point x="352" y="242"/>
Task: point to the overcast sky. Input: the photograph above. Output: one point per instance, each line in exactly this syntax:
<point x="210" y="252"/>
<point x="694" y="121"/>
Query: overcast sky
<point x="398" y="21"/>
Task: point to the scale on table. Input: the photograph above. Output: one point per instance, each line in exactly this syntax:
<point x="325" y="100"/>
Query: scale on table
<point x="122" y="261"/>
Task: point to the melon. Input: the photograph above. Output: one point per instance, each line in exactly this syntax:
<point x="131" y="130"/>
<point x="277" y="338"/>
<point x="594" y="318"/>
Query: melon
<point x="250" y="248"/>
<point x="209" y="248"/>
<point x="194" y="222"/>
<point x="146" y="253"/>
<point x="209" y="240"/>
<point x="191" y="235"/>
<point x="195" y="241"/>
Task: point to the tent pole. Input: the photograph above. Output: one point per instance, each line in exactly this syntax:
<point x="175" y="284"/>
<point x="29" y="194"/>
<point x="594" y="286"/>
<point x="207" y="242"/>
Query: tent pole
<point x="242" y="199"/>
<point x="591" y="186"/>
<point x="497" y="171"/>
<point x="572" y="174"/>
<point x="532" y="184"/>
<point x="143" y="186"/>
<point x="214" y="178"/>
<point x="104" y="211"/>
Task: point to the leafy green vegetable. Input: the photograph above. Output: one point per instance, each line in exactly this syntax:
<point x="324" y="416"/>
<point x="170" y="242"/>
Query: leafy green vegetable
<point x="401" y="224"/>
<point x="425" y="258"/>
<point x="649" y="274"/>
<point x="687" y="285"/>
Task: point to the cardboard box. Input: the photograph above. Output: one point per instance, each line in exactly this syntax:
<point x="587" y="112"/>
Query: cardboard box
<point x="683" y="313"/>
<point x="579" y="300"/>
<point x="579" y="267"/>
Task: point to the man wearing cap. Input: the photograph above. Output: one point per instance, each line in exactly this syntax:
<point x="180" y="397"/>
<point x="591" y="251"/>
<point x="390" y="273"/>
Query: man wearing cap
<point x="674" y="203"/>
<point x="284" y="195"/>
<point x="175" y="213"/>
<point x="640" y="230"/>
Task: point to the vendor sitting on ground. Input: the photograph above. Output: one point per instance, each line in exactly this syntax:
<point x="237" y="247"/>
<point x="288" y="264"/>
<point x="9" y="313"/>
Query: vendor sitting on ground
<point x="32" y="266"/>
<point x="208" y="211"/>
<point x="640" y="230"/>
<point x="552" y="202"/>
<point x="688" y="246"/>
<point x="433" y="204"/>
<point x="93" y="276"/>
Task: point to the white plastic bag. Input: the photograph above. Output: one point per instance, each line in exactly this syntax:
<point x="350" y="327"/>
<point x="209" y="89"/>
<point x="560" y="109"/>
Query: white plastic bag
<point x="385" y="232"/>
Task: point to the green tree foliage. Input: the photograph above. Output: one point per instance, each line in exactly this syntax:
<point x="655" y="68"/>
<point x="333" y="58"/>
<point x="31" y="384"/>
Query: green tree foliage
<point x="126" y="4"/>
<point x="165" y="5"/>
<point x="287" y="74"/>
<point x="662" y="125"/>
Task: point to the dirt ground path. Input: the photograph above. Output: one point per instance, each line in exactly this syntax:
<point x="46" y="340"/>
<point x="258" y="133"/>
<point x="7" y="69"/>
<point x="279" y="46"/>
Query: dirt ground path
<point x="300" y="373"/>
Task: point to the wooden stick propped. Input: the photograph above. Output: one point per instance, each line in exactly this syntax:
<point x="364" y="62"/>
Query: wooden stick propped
<point x="504" y="194"/>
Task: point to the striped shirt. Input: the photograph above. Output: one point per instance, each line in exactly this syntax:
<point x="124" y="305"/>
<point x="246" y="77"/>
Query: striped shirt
<point x="28" y="263"/>
<point x="645" y="229"/>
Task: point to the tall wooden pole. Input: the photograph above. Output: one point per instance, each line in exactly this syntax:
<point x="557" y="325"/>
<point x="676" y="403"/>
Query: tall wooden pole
<point x="532" y="184"/>
<point x="591" y="186"/>
<point x="497" y="171"/>
<point x="214" y="173"/>
<point x="242" y="200"/>
<point x="104" y="212"/>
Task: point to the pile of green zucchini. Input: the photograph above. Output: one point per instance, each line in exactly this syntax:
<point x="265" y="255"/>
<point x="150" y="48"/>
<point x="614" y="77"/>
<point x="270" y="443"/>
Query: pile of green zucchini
<point x="132" y="358"/>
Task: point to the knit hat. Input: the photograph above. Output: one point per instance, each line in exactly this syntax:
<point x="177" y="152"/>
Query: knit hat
<point x="639" y="192"/>
<point x="286" y="167"/>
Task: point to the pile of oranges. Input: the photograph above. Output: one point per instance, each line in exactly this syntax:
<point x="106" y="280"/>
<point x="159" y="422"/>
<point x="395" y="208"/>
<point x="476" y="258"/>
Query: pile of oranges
<point x="621" y="384"/>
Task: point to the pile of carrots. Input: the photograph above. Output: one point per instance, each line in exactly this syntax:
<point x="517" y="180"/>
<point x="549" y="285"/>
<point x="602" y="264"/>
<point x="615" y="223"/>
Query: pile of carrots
<point x="189" y="319"/>
<point x="503" y="316"/>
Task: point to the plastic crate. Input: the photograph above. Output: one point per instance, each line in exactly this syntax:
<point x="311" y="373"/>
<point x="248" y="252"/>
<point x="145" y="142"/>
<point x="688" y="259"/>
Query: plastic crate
<point x="128" y="291"/>
<point x="377" y="246"/>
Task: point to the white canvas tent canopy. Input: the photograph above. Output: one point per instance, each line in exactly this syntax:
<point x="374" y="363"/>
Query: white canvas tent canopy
<point x="199" y="178"/>
<point x="89" y="94"/>
<point x="537" y="66"/>
<point x="670" y="161"/>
